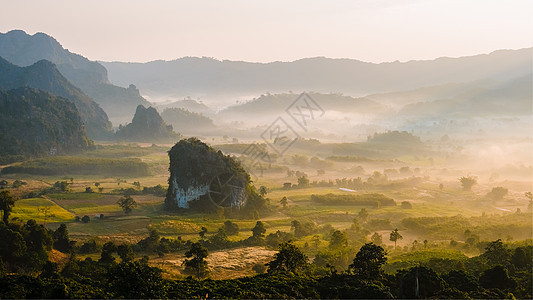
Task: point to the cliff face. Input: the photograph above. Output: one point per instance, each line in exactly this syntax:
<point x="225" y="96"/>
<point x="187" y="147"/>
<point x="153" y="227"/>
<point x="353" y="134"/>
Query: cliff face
<point x="204" y="178"/>
<point x="43" y="75"/>
<point x="37" y="123"/>
<point x="147" y="125"/>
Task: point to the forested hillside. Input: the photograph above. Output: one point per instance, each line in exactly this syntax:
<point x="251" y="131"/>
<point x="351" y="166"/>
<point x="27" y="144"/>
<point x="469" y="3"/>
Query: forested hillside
<point x="37" y="123"/>
<point x="44" y="75"/>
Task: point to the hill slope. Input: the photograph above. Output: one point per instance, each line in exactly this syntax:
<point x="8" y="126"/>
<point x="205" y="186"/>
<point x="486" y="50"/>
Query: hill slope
<point x="43" y="75"/>
<point x="147" y="125"/>
<point x="91" y="77"/>
<point x="37" y="123"/>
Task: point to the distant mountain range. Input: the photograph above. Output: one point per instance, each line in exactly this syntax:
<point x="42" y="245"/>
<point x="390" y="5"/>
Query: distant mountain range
<point x="213" y="79"/>
<point x="44" y="75"/>
<point x="477" y="99"/>
<point x="37" y="123"/>
<point x="23" y="50"/>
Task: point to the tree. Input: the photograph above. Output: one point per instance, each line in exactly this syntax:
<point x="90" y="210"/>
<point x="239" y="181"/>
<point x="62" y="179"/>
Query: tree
<point x="258" y="232"/>
<point x="259" y="268"/>
<point x="284" y="202"/>
<point x="368" y="262"/>
<point x="220" y="239"/>
<point x="468" y="182"/>
<point x="303" y="181"/>
<point x="377" y="239"/>
<point x="363" y="215"/>
<point x="196" y="264"/>
<point x="496" y="277"/>
<point x="303" y="229"/>
<point x="6" y="205"/>
<point x="136" y="280"/>
<point x="418" y="283"/>
<point x="127" y="204"/>
<point x="263" y="190"/>
<point x="61" y="239"/>
<point x="288" y="259"/>
<point x="395" y="236"/>
<point x="125" y="252"/>
<point x="202" y="233"/>
<point x="107" y="253"/>
<point x="461" y="280"/>
<point x="522" y="257"/>
<point x="497" y="193"/>
<point x="86" y="219"/>
<point x="231" y="228"/>
<point x="496" y="253"/>
<point x="338" y="240"/>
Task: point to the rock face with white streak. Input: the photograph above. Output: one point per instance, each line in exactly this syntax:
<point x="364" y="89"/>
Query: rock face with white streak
<point x="204" y="178"/>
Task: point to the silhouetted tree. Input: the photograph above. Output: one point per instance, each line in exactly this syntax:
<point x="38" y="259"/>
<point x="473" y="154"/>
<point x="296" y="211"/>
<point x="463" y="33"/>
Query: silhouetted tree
<point x="125" y="252"/>
<point x="231" y="228"/>
<point x="395" y="236"/>
<point x="497" y="277"/>
<point x="127" y="204"/>
<point x="377" y="239"/>
<point x="368" y="262"/>
<point x="202" y="233"/>
<point x="61" y="239"/>
<point x="497" y="193"/>
<point x="284" y="202"/>
<point x="196" y="264"/>
<point x="338" y="240"/>
<point x="468" y="182"/>
<point x="6" y="205"/>
<point x="107" y="253"/>
<point x="258" y="232"/>
<point x="288" y="259"/>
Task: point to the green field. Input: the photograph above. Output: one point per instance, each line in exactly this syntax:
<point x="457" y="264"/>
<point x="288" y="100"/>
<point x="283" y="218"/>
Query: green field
<point x="436" y="214"/>
<point x="34" y="208"/>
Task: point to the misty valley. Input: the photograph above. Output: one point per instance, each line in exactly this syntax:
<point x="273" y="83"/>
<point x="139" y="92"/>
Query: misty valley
<point x="315" y="178"/>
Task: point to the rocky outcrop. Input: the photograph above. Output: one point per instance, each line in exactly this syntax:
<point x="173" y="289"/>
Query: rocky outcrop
<point x="205" y="178"/>
<point x="147" y="125"/>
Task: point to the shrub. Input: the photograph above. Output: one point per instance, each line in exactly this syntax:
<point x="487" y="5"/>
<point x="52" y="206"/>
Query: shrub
<point x="259" y="268"/>
<point x="406" y="204"/>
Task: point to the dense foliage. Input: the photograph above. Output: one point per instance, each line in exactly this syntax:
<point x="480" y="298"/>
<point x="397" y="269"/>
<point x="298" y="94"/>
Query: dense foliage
<point x="375" y="200"/>
<point x="36" y="123"/>
<point x="500" y="272"/>
<point x="43" y="75"/>
<point x="61" y="165"/>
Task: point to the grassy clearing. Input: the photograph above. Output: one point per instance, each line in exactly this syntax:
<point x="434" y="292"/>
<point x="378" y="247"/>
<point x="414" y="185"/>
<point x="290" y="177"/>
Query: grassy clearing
<point x="26" y="209"/>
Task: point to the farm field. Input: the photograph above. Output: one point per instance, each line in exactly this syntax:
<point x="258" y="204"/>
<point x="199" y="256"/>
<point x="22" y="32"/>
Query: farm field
<point x="430" y="204"/>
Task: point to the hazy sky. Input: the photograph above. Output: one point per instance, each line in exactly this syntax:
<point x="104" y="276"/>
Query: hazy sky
<point x="369" y="30"/>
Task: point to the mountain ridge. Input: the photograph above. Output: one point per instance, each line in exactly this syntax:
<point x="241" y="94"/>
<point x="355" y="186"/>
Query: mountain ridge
<point x="210" y="78"/>
<point x="91" y="77"/>
<point x="44" y="75"/>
